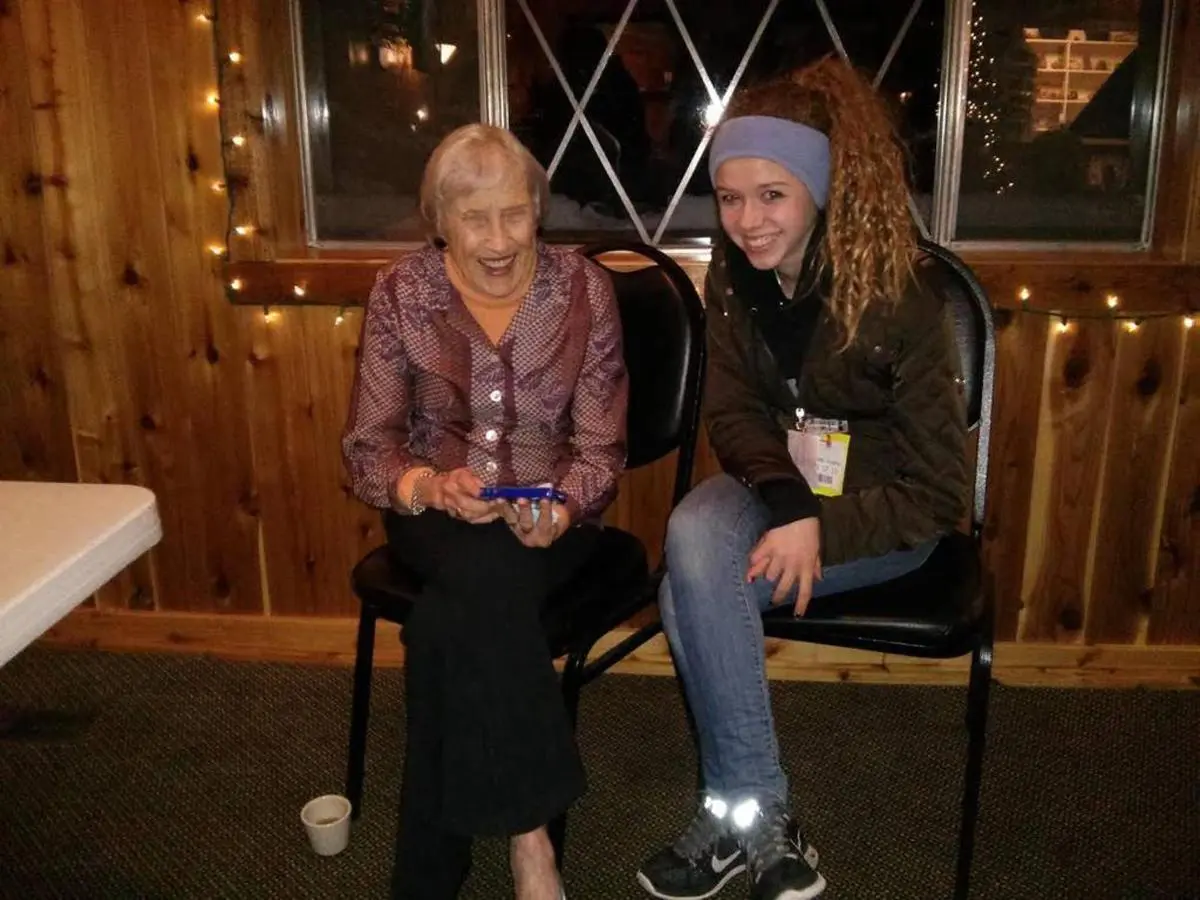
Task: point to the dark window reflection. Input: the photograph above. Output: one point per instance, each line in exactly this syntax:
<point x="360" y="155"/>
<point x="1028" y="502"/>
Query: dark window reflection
<point x="650" y="107"/>
<point x="1059" y="120"/>
<point x="385" y="80"/>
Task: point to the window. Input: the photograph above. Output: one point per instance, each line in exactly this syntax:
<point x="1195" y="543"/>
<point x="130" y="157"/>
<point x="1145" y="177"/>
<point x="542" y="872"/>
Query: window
<point x="1060" y="120"/>
<point x="665" y="70"/>
<point x="1051" y="138"/>
<point x="384" y="81"/>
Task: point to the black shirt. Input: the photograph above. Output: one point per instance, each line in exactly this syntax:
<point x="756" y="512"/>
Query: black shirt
<point x="786" y="325"/>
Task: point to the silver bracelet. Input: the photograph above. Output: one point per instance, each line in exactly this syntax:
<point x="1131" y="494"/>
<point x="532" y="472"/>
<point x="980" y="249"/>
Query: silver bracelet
<point x="415" y="506"/>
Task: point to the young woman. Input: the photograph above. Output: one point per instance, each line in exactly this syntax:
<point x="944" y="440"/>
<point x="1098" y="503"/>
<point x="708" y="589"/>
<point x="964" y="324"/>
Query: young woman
<point x="834" y="405"/>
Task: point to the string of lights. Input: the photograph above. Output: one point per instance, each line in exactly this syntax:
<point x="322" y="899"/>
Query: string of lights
<point x="982" y="88"/>
<point x="230" y="186"/>
<point x="1131" y="322"/>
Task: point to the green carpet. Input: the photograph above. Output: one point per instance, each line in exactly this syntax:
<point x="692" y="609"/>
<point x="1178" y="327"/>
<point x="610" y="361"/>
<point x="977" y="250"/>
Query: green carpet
<point x="186" y="776"/>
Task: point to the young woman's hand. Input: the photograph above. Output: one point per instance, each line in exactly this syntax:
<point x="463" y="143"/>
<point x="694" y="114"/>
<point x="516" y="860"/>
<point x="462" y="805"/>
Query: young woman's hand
<point x="457" y="494"/>
<point x="790" y="556"/>
<point x="552" y="520"/>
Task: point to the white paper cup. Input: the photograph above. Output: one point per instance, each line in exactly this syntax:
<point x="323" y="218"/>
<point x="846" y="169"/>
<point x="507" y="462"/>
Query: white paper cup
<point x="327" y="821"/>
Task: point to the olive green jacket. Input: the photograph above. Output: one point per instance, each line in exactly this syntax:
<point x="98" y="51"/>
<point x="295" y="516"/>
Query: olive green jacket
<point x="897" y="385"/>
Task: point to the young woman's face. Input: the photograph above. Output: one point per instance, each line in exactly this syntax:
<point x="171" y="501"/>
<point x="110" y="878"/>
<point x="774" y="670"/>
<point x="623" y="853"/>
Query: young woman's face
<point x="766" y="211"/>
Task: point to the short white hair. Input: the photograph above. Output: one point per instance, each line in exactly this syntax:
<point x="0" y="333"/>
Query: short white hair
<point x="456" y="167"/>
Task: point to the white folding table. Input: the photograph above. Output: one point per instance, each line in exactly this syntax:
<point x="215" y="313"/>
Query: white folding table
<point x="58" y="544"/>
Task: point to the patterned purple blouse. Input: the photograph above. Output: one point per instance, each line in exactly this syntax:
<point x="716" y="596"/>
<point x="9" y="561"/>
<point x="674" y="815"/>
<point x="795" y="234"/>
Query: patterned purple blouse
<point x="545" y="405"/>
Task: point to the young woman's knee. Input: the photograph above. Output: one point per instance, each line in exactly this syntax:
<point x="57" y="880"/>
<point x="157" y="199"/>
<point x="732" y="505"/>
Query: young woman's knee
<point x="704" y="518"/>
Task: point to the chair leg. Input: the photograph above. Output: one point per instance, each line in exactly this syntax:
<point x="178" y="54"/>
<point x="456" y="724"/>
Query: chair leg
<point x="572" y="684"/>
<point x="360" y="709"/>
<point x="977" y="714"/>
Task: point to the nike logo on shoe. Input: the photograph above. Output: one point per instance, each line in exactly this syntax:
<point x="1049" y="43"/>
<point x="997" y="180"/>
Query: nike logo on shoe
<point x="720" y="865"/>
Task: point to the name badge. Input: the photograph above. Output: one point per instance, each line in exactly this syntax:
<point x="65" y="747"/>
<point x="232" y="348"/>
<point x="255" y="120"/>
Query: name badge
<point x="820" y="448"/>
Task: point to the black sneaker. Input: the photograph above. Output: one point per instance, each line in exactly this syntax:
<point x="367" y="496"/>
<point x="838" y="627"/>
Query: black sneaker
<point x="782" y="864"/>
<point x="704" y="859"/>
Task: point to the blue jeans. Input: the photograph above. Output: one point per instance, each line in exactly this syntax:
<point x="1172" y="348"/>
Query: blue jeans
<point x="713" y="622"/>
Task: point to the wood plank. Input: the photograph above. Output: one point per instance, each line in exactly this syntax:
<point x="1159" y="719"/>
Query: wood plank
<point x="1020" y="371"/>
<point x="33" y="391"/>
<point x="246" y="169"/>
<point x="70" y="116"/>
<point x="314" y="530"/>
<point x="343" y="528"/>
<point x="1143" y="285"/>
<point x="1071" y="438"/>
<point x="148" y="310"/>
<point x="1141" y="416"/>
<point x="284" y="559"/>
<point x="332" y="641"/>
<point x="259" y="101"/>
<point x="200" y="352"/>
<point x="1175" y="607"/>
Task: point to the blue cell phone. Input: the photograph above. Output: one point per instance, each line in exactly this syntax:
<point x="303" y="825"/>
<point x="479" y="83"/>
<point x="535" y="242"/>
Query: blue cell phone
<point x="515" y="492"/>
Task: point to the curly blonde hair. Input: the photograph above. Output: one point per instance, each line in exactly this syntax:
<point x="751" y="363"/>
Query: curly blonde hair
<point x="869" y="241"/>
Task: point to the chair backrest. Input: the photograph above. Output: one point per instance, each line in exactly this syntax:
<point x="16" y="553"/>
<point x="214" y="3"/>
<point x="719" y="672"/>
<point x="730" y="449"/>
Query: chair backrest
<point x="974" y="334"/>
<point x="662" y="321"/>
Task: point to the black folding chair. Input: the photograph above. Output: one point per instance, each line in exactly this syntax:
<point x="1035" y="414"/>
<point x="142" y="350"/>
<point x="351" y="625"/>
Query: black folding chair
<point x="945" y="608"/>
<point x="663" y="327"/>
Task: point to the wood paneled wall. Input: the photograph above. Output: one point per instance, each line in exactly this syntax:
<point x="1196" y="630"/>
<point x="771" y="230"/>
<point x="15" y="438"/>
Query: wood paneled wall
<point x="123" y="361"/>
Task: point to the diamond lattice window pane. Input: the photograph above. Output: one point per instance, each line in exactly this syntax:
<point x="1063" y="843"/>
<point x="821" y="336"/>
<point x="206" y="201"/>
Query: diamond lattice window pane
<point x="633" y="162"/>
<point x="544" y="91"/>
<point x="898" y="44"/>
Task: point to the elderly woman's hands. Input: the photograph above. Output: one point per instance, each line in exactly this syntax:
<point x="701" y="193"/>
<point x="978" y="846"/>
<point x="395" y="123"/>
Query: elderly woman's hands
<point x="552" y="520"/>
<point x="457" y="494"/>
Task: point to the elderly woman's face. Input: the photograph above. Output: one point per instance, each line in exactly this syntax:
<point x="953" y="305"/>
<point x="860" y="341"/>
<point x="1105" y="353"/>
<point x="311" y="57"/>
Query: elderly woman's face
<point x="490" y="232"/>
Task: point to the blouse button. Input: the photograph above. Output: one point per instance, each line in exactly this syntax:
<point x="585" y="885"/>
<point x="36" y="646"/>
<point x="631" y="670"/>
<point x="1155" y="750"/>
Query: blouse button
<point x="491" y="467"/>
<point x="496" y="396"/>
<point x="491" y="434"/>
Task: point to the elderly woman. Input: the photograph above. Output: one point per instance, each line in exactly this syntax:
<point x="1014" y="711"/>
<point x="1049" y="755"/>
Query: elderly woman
<point x="488" y="358"/>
